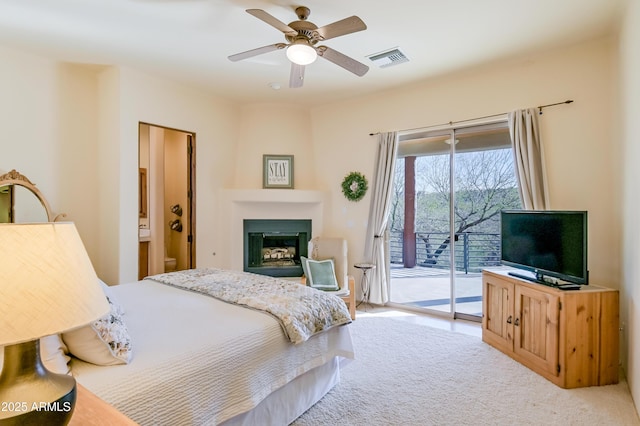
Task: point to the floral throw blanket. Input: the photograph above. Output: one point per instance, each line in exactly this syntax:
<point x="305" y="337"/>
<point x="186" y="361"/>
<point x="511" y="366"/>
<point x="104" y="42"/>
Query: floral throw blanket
<point x="301" y="310"/>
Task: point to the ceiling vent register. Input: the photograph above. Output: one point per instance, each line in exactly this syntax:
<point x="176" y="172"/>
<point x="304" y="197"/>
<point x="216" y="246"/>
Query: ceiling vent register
<point x="388" y="58"/>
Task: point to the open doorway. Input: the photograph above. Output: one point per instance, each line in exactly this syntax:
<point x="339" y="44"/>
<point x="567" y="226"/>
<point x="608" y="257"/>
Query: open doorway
<point x="166" y="160"/>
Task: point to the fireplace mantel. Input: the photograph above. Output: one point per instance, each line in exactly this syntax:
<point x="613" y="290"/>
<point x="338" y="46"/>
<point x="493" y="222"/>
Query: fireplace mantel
<point x="243" y="204"/>
<point x="275" y="196"/>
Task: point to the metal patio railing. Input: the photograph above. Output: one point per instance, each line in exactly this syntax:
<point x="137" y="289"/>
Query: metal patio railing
<point x="473" y="250"/>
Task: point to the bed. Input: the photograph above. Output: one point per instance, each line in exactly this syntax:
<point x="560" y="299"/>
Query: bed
<point x="168" y="355"/>
<point x="197" y="360"/>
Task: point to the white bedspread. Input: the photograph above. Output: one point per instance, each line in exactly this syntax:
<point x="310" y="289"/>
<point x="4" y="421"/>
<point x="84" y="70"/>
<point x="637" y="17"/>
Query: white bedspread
<point x="198" y="360"/>
<point x="301" y="310"/>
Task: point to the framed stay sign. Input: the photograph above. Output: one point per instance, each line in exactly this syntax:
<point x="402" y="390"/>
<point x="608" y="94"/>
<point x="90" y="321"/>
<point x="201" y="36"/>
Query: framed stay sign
<point x="277" y="171"/>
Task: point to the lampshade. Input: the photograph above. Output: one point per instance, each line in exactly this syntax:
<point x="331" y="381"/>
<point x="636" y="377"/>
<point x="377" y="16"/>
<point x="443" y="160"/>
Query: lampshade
<point x="47" y="282"/>
<point x="301" y="53"/>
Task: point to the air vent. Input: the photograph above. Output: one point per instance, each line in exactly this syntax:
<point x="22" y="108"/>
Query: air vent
<point x="388" y="58"/>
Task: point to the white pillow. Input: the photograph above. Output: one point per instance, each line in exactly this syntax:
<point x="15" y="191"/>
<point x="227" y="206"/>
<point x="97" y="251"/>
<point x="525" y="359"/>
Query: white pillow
<point x="53" y="354"/>
<point x="105" y="341"/>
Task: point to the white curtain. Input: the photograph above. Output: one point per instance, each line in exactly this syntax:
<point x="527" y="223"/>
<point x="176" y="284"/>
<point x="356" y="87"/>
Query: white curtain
<point x="378" y="215"/>
<point x="529" y="159"/>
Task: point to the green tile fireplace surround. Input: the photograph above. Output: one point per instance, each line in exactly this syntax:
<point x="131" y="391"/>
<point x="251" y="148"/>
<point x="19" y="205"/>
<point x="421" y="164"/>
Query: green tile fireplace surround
<point x="274" y="246"/>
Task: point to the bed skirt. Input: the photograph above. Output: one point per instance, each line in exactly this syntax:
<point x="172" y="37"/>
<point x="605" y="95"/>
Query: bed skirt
<point x="289" y="402"/>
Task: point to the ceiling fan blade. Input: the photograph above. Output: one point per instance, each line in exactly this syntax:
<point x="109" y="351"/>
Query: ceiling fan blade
<point x="339" y="28"/>
<point x="273" y="21"/>
<point x="297" y="76"/>
<point x="342" y="60"/>
<point x="255" y="52"/>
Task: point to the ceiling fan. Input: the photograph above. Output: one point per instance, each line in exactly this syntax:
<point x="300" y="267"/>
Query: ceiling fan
<point x="302" y="37"/>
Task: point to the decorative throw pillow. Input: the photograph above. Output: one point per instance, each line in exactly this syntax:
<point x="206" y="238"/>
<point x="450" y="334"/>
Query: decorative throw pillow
<point x="115" y="304"/>
<point x="321" y="274"/>
<point x="105" y="341"/>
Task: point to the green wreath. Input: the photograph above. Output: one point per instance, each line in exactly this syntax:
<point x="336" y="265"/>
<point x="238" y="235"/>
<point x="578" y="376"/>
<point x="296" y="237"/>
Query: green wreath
<point x="354" y="186"/>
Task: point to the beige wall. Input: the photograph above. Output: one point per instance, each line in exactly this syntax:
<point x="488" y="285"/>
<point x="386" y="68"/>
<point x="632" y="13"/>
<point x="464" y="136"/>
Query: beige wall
<point x="73" y="130"/>
<point x="630" y="160"/>
<point x="49" y="126"/>
<point x="577" y="137"/>
<point x="175" y="190"/>
<point x="275" y="129"/>
<point x="145" y="98"/>
<point x="156" y="198"/>
<point x="107" y="166"/>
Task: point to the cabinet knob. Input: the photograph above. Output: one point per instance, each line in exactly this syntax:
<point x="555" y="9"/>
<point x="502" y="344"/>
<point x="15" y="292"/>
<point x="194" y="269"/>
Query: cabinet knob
<point x="509" y="320"/>
<point x="517" y="322"/>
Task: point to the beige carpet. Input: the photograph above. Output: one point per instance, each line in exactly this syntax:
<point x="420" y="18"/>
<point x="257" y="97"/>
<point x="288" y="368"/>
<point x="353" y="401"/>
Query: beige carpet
<point x="408" y="374"/>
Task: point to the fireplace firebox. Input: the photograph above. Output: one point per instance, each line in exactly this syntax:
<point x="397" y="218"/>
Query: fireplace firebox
<point x="274" y="246"/>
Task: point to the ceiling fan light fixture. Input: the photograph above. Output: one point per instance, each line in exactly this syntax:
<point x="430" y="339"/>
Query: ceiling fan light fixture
<point x="301" y="53"/>
<point x="301" y="37"/>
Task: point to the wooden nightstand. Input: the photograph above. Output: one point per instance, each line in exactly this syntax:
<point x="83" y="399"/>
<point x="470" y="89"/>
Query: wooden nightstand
<point x="92" y="411"/>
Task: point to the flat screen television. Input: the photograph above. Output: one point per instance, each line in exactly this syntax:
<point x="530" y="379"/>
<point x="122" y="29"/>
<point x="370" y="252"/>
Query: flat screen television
<point x="551" y="244"/>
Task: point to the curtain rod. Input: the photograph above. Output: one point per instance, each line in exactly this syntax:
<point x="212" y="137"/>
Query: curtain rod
<point x="568" y="101"/>
<point x="450" y="123"/>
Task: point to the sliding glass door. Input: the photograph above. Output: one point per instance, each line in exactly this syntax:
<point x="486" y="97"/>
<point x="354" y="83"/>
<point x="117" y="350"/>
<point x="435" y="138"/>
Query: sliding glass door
<point x="444" y="227"/>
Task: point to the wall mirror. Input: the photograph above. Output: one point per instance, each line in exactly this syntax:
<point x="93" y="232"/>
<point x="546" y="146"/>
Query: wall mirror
<point x="21" y="201"/>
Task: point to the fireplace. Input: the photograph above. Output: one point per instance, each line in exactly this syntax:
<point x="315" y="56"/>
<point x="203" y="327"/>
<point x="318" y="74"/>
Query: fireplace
<point x="274" y="246"/>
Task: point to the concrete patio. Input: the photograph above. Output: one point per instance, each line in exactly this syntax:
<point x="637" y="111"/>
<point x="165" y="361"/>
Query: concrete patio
<point x="429" y="288"/>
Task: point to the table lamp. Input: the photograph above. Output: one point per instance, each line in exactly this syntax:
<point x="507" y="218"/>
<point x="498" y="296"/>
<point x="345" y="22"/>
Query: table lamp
<point x="47" y="286"/>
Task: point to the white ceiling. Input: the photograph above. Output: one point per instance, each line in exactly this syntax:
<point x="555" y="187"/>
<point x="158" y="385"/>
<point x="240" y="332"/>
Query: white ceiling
<point x="190" y="40"/>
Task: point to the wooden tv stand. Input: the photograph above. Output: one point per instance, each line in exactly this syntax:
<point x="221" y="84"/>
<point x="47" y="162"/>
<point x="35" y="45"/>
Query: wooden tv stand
<point x="568" y="337"/>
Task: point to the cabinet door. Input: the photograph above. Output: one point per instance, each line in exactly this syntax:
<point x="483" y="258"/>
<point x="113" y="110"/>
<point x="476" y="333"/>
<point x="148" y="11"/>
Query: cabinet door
<point x="536" y="329"/>
<point x="498" y="303"/>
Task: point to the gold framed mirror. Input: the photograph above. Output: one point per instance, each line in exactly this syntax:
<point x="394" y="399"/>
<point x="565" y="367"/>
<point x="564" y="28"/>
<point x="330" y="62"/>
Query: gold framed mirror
<point x="21" y="201"/>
